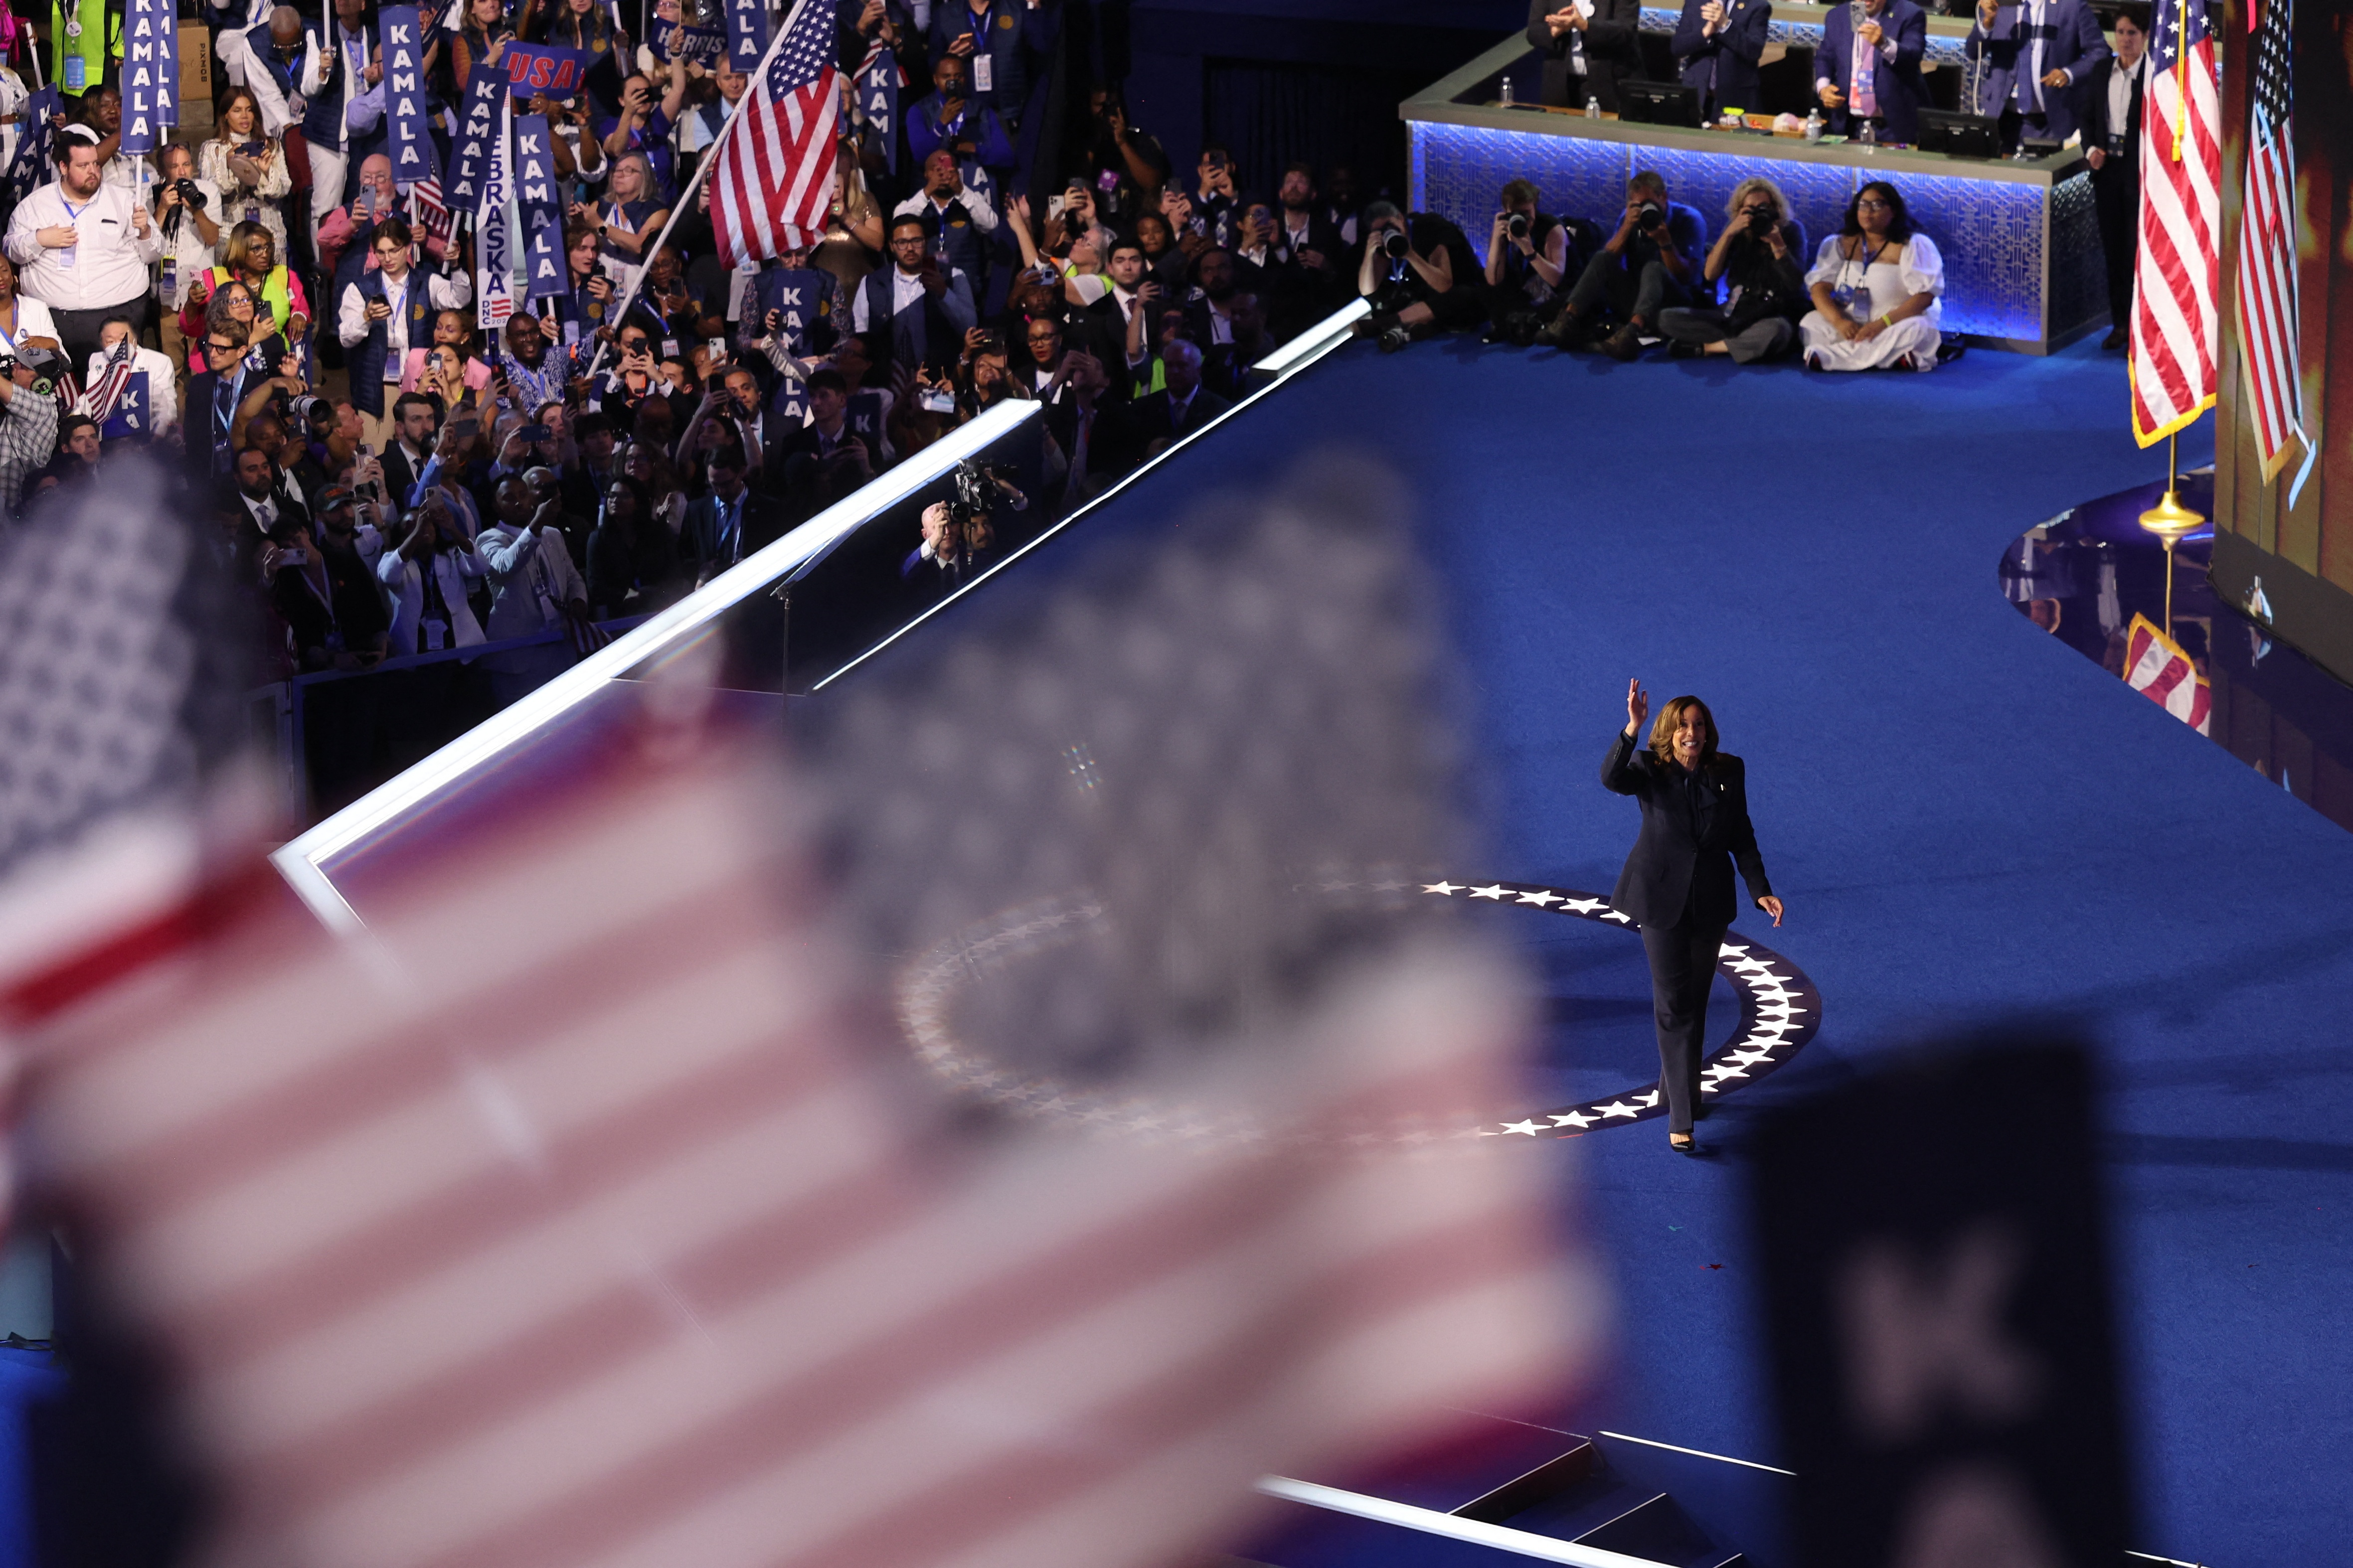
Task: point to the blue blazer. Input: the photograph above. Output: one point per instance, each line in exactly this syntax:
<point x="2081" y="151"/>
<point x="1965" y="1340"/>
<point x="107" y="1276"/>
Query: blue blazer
<point x="1723" y="67"/>
<point x="2075" y="45"/>
<point x="1896" y="82"/>
<point x="1016" y="36"/>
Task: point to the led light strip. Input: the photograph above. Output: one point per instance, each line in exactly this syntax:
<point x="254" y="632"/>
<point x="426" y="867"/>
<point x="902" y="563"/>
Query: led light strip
<point x="1429" y="1521"/>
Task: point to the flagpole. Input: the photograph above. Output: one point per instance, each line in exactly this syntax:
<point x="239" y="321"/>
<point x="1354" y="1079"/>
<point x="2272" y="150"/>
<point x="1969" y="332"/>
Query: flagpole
<point x="685" y="197"/>
<point x="2170" y="520"/>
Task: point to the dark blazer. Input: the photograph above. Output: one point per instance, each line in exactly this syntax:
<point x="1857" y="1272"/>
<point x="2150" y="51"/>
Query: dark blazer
<point x="1896" y="82"/>
<point x="698" y="536"/>
<point x="1149" y="419"/>
<point x="2075" y="45"/>
<point x="1723" y="67"/>
<point x="2096" y="128"/>
<point x="1613" y="49"/>
<point x="1677" y="875"/>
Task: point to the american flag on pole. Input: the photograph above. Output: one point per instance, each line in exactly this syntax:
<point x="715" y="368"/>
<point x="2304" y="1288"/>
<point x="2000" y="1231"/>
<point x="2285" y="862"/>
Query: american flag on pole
<point x="2156" y="667"/>
<point x="2269" y="321"/>
<point x="2178" y="278"/>
<point x="99" y="399"/>
<point x="436" y="224"/>
<point x="773" y="180"/>
<point x="580" y="1214"/>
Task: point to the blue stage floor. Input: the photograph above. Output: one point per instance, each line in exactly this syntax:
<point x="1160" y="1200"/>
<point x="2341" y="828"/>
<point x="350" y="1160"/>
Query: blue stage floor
<point x="1969" y="821"/>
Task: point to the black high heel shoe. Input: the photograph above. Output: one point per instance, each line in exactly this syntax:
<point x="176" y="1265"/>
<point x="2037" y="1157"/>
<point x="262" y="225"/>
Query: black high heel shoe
<point x="1690" y="1144"/>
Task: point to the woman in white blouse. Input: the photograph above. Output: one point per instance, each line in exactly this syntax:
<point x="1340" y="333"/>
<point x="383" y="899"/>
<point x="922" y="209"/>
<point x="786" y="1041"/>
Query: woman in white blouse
<point x="247" y="166"/>
<point x="1876" y="289"/>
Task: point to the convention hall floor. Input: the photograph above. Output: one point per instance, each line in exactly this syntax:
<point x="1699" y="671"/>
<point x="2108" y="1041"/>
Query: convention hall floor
<point x="1970" y="822"/>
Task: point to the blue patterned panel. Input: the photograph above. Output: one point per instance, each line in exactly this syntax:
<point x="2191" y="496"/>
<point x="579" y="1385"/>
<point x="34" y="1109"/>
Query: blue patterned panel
<point x="1942" y="50"/>
<point x="1989" y="233"/>
<point x="1818" y="193"/>
<point x="1458" y="171"/>
<point x="2079" y="283"/>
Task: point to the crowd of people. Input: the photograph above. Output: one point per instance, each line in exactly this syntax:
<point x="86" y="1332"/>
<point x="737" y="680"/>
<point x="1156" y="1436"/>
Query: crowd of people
<point x="301" y="333"/>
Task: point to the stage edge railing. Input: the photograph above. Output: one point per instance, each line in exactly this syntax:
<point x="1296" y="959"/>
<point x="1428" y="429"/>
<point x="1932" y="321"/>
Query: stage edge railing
<point x="300" y="860"/>
<point x="1297" y="355"/>
<point x="1429" y="1521"/>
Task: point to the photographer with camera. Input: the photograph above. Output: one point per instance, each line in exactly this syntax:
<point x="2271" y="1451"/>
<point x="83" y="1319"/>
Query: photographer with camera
<point x="183" y="207"/>
<point x="1756" y="258"/>
<point x="1408" y="274"/>
<point x="1528" y="265"/>
<point x="1650" y="262"/>
<point x="28" y="419"/>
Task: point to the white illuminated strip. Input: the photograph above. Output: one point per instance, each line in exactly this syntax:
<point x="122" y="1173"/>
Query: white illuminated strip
<point x="299" y="859"/>
<point x="1316" y="340"/>
<point x="1301" y="350"/>
<point x="1431" y="1522"/>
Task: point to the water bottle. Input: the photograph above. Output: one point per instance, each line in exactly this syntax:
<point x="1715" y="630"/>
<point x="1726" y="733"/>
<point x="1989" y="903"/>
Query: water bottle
<point x="1814" y="126"/>
<point x="1870" y="134"/>
<point x="1507" y="92"/>
<point x="1592" y="107"/>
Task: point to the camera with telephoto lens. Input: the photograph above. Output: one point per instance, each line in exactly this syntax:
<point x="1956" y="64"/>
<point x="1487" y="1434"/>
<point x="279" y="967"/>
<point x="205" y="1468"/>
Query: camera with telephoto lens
<point x="975" y="494"/>
<point x="1761" y="221"/>
<point x="1394" y="244"/>
<point x="189" y="193"/>
<point x="310" y="406"/>
<point x="1649" y="216"/>
<point x="1516" y="227"/>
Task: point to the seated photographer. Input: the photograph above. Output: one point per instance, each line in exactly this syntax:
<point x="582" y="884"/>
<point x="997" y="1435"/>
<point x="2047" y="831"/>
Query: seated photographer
<point x="1650" y="262"/>
<point x="1875" y="287"/>
<point x="1410" y="275"/>
<point x="1756" y="258"/>
<point x="1528" y="265"/>
<point x="917" y="314"/>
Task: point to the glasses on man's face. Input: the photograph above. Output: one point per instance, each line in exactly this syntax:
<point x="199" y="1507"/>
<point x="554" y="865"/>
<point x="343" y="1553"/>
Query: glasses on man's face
<point x="219" y="348"/>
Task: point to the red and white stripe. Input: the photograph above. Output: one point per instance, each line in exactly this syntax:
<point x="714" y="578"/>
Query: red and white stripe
<point x="2178" y="275"/>
<point x="773" y="180"/>
<point x="99" y="399"/>
<point x="2267" y="302"/>
<point x="2156" y="667"/>
<point x="568" y="1223"/>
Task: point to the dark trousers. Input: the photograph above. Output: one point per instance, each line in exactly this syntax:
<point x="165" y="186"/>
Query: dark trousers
<point x="79" y="331"/>
<point x="1607" y="278"/>
<point x="1683" y="966"/>
<point x="2116" y="195"/>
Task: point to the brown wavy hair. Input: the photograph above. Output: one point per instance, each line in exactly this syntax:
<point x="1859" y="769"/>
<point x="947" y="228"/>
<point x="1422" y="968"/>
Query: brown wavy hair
<point x="1662" y="731"/>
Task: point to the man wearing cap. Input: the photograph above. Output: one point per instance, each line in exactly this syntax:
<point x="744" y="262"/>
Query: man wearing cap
<point x="84" y="247"/>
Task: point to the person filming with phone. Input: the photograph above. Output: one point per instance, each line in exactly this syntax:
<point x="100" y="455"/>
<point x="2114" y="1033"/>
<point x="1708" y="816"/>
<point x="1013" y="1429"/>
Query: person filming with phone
<point x="1756" y="258"/>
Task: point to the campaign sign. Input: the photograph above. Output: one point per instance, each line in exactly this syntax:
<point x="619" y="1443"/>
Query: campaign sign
<point x="149" y="39"/>
<point x="747" y="34"/>
<point x="542" y="208"/>
<point x="493" y="251"/>
<point x="798" y="296"/>
<point x="878" y="100"/>
<point x="130" y="416"/>
<point x="409" y="108"/>
<point x="477" y="133"/>
<point x="677" y="41"/>
<point x="1936" y="1284"/>
<point x="542" y="70"/>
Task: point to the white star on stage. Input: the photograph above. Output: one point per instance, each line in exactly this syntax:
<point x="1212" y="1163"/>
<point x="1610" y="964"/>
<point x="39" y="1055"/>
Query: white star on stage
<point x="1723" y="1070"/>
<point x="1543" y="900"/>
<point x="1733" y="947"/>
<point x="1650" y="1098"/>
<point x="1494" y="890"/>
<point x="1571" y="1118"/>
<point x="1337" y="886"/>
<point x="1585" y="906"/>
<point x="1528" y="1127"/>
<point x="1443" y="889"/>
<point x="1619" y="1108"/>
<point x="1614" y="915"/>
<point x="1750" y="1058"/>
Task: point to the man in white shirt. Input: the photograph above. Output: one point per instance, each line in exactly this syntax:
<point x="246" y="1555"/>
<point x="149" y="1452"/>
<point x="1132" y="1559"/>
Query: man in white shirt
<point x="163" y="397"/>
<point x="382" y="314"/>
<point x="83" y="247"/>
<point x="343" y="93"/>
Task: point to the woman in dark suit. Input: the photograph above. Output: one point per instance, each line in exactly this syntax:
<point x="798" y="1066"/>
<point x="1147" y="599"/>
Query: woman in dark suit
<point x="1677" y="884"/>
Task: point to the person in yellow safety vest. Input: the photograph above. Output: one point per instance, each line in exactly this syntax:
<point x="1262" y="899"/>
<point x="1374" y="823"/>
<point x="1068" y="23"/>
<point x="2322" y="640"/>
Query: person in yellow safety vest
<point x="83" y="36"/>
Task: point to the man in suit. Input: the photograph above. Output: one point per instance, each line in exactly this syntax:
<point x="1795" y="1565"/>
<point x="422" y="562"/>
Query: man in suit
<point x="1717" y="46"/>
<point x="1588" y="47"/>
<point x="1178" y="408"/>
<point x="730" y="522"/>
<point x="2112" y="111"/>
<point x="1871" y="71"/>
<point x="2037" y="57"/>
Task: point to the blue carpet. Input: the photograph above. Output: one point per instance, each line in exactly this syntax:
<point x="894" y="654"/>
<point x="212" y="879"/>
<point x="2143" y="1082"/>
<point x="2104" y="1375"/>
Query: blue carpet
<point x="1969" y="822"/>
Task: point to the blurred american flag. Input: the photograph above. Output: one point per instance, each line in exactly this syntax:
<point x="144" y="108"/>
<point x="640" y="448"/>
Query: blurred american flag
<point x="586" y="1212"/>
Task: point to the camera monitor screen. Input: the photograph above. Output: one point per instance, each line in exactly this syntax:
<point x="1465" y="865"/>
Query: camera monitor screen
<point x="1658" y="104"/>
<point x="1959" y="135"/>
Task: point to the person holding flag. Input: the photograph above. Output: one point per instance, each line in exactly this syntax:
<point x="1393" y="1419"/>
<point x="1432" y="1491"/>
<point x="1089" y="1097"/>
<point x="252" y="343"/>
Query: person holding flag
<point x="125" y="372"/>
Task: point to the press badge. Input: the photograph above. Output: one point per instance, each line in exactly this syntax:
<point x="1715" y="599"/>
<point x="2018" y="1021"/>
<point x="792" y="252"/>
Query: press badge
<point x="670" y="348"/>
<point x="984" y="73"/>
<point x="437" y="636"/>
